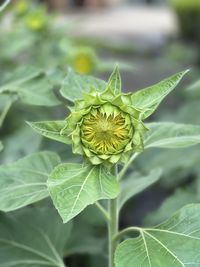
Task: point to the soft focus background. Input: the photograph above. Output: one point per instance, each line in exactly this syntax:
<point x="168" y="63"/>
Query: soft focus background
<point x="150" y="40"/>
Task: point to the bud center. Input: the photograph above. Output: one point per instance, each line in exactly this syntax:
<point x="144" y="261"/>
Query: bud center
<point x="106" y="130"/>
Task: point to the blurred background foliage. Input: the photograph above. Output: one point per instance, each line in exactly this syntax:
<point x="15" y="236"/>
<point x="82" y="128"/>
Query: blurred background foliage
<point x="41" y="40"/>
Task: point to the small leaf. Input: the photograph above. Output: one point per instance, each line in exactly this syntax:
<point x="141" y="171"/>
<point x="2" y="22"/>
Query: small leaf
<point x="172" y="135"/>
<point x="74" y="186"/>
<point x="74" y="85"/>
<point x="51" y="129"/>
<point x="114" y="83"/>
<point x="174" y="243"/>
<point x="148" y="99"/>
<point x="33" y="237"/>
<point x="24" y="181"/>
<point x="135" y="184"/>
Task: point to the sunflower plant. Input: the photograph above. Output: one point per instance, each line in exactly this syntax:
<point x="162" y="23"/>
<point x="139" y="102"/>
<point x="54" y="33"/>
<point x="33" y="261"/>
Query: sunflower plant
<point x="106" y="128"/>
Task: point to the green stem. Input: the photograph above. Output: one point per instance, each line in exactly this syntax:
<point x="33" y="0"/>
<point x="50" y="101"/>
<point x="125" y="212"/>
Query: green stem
<point x="125" y="168"/>
<point x="103" y="211"/>
<point x="113" y="225"/>
<point x="126" y="231"/>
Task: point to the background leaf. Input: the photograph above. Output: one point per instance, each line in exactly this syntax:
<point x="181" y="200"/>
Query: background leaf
<point x="135" y="184"/>
<point x="24" y="181"/>
<point x="19" y="143"/>
<point x="174" y="243"/>
<point x="31" y="85"/>
<point x="1" y="146"/>
<point x="51" y="129"/>
<point x="74" y="186"/>
<point x="172" y="135"/>
<point x="32" y="237"/>
<point x="176" y="201"/>
<point x="6" y="102"/>
<point x="74" y="85"/>
<point x="148" y="99"/>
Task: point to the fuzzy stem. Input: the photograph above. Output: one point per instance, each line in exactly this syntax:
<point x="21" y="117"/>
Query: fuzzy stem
<point x="113" y="227"/>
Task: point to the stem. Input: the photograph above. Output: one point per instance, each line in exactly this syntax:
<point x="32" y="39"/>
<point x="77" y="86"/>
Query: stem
<point x="113" y="225"/>
<point x="103" y="211"/>
<point x="126" y="231"/>
<point x="125" y="168"/>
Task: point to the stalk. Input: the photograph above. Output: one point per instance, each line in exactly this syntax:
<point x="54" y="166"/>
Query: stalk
<point x="113" y="227"/>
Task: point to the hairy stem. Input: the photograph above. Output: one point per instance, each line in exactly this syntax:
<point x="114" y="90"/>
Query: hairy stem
<point x="113" y="227"/>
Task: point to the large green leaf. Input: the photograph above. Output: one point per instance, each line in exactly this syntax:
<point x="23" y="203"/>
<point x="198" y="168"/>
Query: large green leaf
<point x="86" y="237"/>
<point x="74" y="186"/>
<point x="32" y="237"/>
<point x="135" y="184"/>
<point x="149" y="98"/>
<point x="174" y="243"/>
<point x="74" y="85"/>
<point x="31" y="86"/>
<point x="51" y="129"/>
<point x="172" y="135"/>
<point x="24" y="181"/>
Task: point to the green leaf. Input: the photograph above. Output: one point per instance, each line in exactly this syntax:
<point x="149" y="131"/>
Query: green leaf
<point x="19" y="143"/>
<point x="148" y="99"/>
<point x="114" y="84"/>
<point x="172" y="135"/>
<point x="174" y="202"/>
<point x="74" y="85"/>
<point x="31" y="86"/>
<point x="38" y="92"/>
<point x="6" y="102"/>
<point x="74" y="186"/>
<point x="24" y="181"/>
<point x="51" y="129"/>
<point x="174" y="243"/>
<point x="86" y="238"/>
<point x="135" y="184"/>
<point x="19" y="77"/>
<point x="1" y="146"/>
<point x="32" y="237"/>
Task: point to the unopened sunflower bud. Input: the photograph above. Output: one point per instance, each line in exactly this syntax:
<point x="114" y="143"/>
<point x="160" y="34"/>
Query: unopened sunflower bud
<point x="105" y="128"/>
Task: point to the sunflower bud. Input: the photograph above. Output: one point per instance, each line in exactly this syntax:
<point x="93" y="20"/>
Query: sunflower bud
<point x="105" y="127"/>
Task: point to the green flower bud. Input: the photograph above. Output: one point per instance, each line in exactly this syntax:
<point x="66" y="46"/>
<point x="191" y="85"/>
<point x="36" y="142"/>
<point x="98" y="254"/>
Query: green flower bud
<point x="105" y="127"/>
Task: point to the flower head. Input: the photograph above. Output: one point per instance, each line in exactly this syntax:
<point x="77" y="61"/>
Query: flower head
<point x="105" y="127"/>
<point x="83" y="60"/>
<point x="36" y="20"/>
